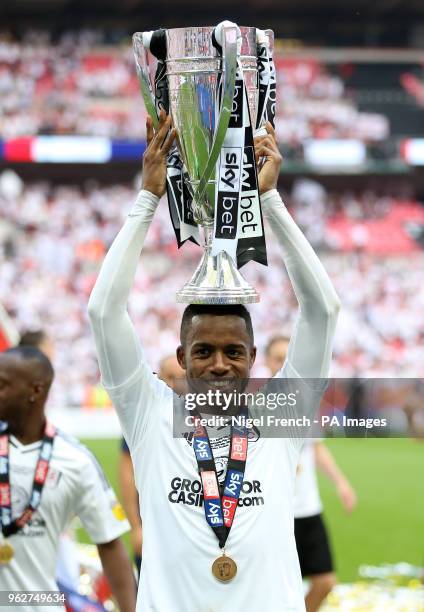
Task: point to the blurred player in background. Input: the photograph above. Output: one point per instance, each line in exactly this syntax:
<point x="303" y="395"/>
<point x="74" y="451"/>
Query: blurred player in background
<point x="173" y="375"/>
<point x="311" y="536"/>
<point x="68" y="565"/>
<point x="47" y="479"/>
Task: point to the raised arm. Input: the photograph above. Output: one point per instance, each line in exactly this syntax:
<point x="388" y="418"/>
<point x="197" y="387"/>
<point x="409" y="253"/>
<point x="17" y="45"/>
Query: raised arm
<point x="118" y="348"/>
<point x="310" y="347"/>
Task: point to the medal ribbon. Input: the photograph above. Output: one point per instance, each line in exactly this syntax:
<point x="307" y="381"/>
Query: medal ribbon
<point x="220" y="509"/>
<point x="8" y="526"/>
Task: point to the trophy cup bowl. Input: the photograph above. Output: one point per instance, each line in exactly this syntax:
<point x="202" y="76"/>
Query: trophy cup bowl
<point x="195" y="69"/>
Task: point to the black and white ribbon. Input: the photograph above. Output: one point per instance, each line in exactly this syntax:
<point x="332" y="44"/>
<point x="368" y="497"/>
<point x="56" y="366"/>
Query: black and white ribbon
<point x="238" y="222"/>
<point x="267" y="79"/>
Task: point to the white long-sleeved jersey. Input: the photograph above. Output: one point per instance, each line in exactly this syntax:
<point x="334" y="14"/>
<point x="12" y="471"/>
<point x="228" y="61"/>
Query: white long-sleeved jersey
<point x="178" y="545"/>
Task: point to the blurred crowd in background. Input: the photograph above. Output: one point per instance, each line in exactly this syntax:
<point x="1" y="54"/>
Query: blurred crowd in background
<point x="70" y="87"/>
<point x="80" y="85"/>
<point x="314" y="103"/>
<point x="53" y="239"/>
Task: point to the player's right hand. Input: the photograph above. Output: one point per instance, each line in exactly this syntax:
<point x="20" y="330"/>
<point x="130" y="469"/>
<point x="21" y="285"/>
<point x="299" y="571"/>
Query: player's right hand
<point x="159" y="143"/>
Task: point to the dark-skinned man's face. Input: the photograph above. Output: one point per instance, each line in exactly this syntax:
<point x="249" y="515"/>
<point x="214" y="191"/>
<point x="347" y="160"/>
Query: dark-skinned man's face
<point x="217" y="349"/>
<point x="16" y="387"/>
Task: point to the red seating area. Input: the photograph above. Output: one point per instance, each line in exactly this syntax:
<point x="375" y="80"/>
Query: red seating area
<point x="388" y="235"/>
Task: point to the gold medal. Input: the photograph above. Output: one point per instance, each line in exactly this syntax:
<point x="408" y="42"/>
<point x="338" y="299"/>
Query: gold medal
<point x="224" y="568"/>
<point x="6" y="553"/>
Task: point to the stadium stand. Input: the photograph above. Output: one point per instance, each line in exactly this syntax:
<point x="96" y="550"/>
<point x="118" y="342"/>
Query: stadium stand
<point x="80" y="85"/>
<point x="71" y="87"/>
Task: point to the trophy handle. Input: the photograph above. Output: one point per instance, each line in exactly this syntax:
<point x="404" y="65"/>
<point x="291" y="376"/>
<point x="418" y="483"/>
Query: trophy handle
<point x="142" y="65"/>
<point x="229" y="56"/>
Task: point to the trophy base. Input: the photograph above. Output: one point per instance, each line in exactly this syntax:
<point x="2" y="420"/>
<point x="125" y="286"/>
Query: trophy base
<point x="217" y="281"/>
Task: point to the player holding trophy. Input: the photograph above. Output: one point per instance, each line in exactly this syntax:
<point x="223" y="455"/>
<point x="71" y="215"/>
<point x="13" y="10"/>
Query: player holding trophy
<point x="217" y="506"/>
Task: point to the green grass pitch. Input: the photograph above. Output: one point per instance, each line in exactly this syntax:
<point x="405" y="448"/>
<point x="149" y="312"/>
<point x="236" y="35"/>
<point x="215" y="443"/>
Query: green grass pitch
<point x="386" y="527"/>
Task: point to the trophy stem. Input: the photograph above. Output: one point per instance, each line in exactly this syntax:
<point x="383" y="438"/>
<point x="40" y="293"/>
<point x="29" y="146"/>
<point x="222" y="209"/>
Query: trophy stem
<point x="216" y="280"/>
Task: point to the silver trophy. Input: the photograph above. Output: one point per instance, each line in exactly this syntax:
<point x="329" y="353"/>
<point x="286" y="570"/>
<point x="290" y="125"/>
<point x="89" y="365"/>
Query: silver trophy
<point x="201" y="82"/>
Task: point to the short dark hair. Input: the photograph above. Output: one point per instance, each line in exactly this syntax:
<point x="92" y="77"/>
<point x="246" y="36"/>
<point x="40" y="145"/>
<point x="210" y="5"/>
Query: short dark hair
<point x="193" y="310"/>
<point x="43" y="365"/>
<point x="32" y="338"/>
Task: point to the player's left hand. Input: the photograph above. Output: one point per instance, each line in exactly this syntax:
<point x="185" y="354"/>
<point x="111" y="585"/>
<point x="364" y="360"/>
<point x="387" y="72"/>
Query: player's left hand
<point x="266" y="147"/>
<point x="347" y="496"/>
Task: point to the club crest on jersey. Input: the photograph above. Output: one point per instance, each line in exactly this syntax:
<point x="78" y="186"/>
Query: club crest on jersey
<point x="202" y="449"/>
<point x="213" y="513"/>
<point x="233" y="483"/>
<point x="210" y="485"/>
